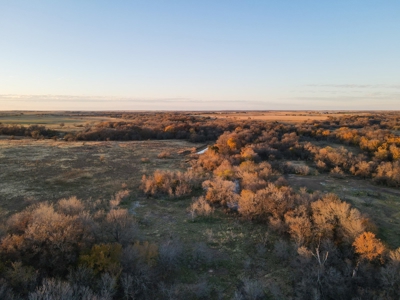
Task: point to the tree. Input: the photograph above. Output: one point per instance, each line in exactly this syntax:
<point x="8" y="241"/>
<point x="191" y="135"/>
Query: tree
<point x="299" y="223"/>
<point x="368" y="246"/>
<point x="220" y="191"/>
<point x="225" y="170"/>
<point x="336" y="220"/>
<point x="248" y="204"/>
<point x="45" y="238"/>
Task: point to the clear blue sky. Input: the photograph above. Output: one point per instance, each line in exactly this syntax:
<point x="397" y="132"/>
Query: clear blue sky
<point x="199" y="54"/>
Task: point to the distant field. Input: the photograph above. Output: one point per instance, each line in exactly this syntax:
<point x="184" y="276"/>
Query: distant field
<point x="282" y="116"/>
<point x="52" y="120"/>
<point x="72" y="121"/>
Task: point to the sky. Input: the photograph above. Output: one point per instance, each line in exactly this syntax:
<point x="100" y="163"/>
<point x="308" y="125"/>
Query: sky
<point x="199" y="55"/>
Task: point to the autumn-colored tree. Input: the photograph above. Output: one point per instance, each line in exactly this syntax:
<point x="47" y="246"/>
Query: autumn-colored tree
<point x="210" y="160"/>
<point x="337" y="172"/>
<point x="248" y="205"/>
<point x="299" y="223"/>
<point x="388" y="173"/>
<point x="335" y="219"/>
<point x="46" y="238"/>
<point x="173" y="184"/>
<point x="247" y="166"/>
<point x="71" y="206"/>
<point x="232" y="143"/>
<point x="119" y="196"/>
<point x="368" y="246"/>
<point x="381" y="153"/>
<point x="225" y="170"/>
<point x="228" y="143"/>
<point x="362" y="169"/>
<point x="220" y="191"/>
<point x="395" y="152"/>
<point x="251" y="181"/>
<point x="265" y="170"/>
<point x="200" y="207"/>
<point x="248" y="153"/>
<point x="269" y="202"/>
<point x="320" y="165"/>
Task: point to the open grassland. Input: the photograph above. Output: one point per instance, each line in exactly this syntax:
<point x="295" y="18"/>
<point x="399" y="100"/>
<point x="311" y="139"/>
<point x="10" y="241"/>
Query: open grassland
<point x="75" y="120"/>
<point x="278" y="116"/>
<point x="64" y="122"/>
<point x="239" y="249"/>
<point x="50" y="170"/>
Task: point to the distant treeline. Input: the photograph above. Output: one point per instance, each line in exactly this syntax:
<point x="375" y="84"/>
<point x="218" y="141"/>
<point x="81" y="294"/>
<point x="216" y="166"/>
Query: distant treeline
<point x="146" y="125"/>
<point x="160" y="126"/>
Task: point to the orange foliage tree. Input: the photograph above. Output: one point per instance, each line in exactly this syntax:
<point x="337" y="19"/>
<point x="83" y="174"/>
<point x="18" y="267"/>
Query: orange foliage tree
<point x="368" y="246"/>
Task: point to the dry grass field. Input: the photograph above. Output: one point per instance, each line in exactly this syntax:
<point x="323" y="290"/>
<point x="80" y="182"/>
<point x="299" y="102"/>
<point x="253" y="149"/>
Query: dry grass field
<point x="75" y="121"/>
<point x="47" y="170"/>
<point x="279" y="116"/>
<point x="60" y="121"/>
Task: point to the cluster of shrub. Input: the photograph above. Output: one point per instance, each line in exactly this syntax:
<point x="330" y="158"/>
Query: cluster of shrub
<point x="143" y="126"/>
<point x="173" y="184"/>
<point x="374" y="135"/>
<point x="339" y="161"/>
<point x="279" y="143"/>
<point x="333" y="250"/>
<point x="93" y="251"/>
<point x="34" y="131"/>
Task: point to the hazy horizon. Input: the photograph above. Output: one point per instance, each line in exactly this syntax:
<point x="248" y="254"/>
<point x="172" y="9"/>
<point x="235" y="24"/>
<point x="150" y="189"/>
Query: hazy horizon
<point x="183" y="55"/>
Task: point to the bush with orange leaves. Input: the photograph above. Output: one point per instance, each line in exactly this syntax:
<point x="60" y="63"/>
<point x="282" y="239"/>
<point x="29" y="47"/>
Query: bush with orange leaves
<point x="200" y="207"/>
<point x="228" y="143"/>
<point x="225" y="170"/>
<point x="174" y="184"/>
<point x="248" y="153"/>
<point x="221" y="191"/>
<point x="248" y="204"/>
<point x="299" y="225"/>
<point x="369" y="247"/>
<point x="251" y="181"/>
<point x="252" y="176"/>
<point x="336" y="220"/>
<point x="210" y="160"/>
<point x="270" y="202"/>
<point x="388" y="173"/>
<point x="48" y="238"/>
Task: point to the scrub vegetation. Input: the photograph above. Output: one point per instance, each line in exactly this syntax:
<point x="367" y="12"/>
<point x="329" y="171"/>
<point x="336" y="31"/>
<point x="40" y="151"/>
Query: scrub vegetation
<point x="121" y="205"/>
